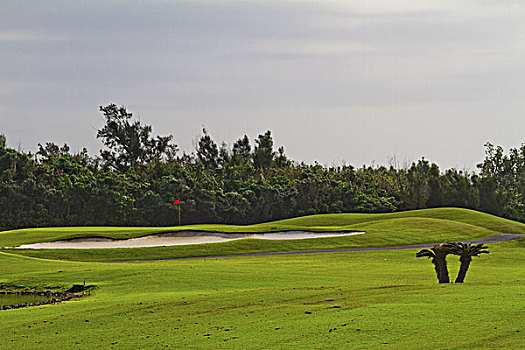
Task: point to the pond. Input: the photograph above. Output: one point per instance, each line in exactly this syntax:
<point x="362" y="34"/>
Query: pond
<point x="16" y="299"/>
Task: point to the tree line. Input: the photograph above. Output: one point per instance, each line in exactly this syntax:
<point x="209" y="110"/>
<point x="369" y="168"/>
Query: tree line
<point x="136" y="178"/>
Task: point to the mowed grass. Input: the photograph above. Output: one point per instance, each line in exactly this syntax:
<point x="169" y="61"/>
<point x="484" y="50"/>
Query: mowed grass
<point x="382" y="230"/>
<point x="357" y="300"/>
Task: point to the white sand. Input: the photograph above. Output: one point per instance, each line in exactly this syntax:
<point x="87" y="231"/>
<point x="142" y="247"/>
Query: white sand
<point x="177" y="238"/>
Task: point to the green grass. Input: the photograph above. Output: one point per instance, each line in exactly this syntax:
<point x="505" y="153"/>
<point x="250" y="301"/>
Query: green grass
<point x="358" y="300"/>
<point x="392" y="229"/>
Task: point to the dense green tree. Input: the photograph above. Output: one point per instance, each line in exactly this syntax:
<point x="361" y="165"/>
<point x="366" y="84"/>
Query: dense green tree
<point x="129" y="142"/>
<point x="242" y="150"/>
<point x="224" y="157"/>
<point x="281" y="161"/>
<point x="501" y="182"/>
<point x="457" y="189"/>
<point x="52" y="150"/>
<point x="419" y="179"/>
<point x="263" y="153"/>
<point x="207" y="151"/>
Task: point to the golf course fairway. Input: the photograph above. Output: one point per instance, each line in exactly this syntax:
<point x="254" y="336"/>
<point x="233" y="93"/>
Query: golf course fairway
<point x="354" y="300"/>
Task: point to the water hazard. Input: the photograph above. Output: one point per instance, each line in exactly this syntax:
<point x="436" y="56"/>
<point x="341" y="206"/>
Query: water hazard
<point x="17" y="299"/>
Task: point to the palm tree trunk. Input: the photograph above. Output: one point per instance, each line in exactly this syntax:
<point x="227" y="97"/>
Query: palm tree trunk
<point x="441" y="264"/>
<point x="437" y="268"/>
<point x="465" y="263"/>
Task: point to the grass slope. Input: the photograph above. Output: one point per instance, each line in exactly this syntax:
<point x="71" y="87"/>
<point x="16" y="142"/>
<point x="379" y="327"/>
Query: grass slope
<point x="372" y="300"/>
<point x="459" y="215"/>
<point x="392" y="229"/>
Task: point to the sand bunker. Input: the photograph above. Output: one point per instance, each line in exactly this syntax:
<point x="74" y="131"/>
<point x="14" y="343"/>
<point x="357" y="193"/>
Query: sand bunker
<point x="177" y="238"/>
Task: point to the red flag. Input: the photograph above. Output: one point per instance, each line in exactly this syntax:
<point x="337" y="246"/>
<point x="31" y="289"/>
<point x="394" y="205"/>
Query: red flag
<point x="176" y="202"/>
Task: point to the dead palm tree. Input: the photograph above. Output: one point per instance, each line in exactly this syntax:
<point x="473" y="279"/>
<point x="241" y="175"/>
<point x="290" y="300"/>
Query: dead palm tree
<point x="465" y="251"/>
<point x="438" y="253"/>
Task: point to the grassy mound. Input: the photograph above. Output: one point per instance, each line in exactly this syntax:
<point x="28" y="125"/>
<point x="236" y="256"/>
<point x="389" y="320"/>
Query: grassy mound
<point x="459" y="215"/>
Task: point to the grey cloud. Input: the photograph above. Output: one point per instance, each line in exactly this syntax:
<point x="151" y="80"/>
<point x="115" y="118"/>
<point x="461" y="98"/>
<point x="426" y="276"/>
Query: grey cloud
<point x="243" y="67"/>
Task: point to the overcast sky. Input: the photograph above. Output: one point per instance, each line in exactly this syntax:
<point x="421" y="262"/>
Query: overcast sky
<point x="358" y="82"/>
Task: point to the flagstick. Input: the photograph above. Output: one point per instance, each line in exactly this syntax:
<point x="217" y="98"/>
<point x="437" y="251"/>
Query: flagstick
<point x="179" y="214"/>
